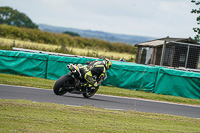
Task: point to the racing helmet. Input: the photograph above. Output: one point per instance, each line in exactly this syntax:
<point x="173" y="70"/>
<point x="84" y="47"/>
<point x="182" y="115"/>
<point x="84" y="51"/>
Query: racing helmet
<point x="107" y="63"/>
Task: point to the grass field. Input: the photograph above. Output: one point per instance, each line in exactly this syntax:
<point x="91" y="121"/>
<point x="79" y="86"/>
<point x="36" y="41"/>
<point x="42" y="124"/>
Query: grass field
<point x="27" y="116"/>
<point x="48" y="84"/>
<point x="8" y="43"/>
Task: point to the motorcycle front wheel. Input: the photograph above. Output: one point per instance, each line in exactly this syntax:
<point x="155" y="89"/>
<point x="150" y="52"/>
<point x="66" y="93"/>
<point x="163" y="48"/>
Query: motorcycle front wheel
<point x="60" y="85"/>
<point x="90" y="93"/>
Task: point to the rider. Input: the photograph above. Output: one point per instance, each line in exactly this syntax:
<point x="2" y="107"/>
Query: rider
<point x="97" y="69"/>
<point x="93" y="70"/>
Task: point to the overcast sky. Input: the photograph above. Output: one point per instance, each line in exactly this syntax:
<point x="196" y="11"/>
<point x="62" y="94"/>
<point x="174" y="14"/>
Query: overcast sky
<point x="154" y="18"/>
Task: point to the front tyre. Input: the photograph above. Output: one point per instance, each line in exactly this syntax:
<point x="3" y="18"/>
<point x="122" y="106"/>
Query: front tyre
<point x="91" y="92"/>
<point x="60" y="85"/>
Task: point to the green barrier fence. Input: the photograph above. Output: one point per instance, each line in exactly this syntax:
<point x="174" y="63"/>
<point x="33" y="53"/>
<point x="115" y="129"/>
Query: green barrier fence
<point x="131" y="76"/>
<point x="122" y="74"/>
<point x="178" y="83"/>
<point x="23" y="63"/>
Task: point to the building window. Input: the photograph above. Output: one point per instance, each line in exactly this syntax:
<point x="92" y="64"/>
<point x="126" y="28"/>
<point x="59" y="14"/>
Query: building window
<point x="146" y="55"/>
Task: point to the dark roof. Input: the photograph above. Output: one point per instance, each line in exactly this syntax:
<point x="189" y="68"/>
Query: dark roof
<point x="161" y="41"/>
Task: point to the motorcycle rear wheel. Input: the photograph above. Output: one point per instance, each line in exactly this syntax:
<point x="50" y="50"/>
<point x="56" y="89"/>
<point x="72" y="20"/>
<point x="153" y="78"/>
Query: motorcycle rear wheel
<point x="90" y="93"/>
<point x="59" y="86"/>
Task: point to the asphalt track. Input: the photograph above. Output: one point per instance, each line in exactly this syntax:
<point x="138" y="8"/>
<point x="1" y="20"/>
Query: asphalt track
<point x="102" y="101"/>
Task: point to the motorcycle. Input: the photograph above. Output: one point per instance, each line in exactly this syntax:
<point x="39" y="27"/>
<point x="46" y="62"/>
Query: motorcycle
<point x="75" y="83"/>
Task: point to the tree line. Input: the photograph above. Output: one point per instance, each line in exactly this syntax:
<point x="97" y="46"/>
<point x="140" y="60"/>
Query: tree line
<point x="39" y="36"/>
<point x="13" y="17"/>
<point x="197" y="11"/>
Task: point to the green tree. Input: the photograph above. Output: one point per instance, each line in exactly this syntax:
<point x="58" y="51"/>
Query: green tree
<point x="13" y="17"/>
<point x="71" y="33"/>
<point x="197" y="11"/>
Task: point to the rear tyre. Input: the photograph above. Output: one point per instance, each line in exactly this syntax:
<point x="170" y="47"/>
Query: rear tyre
<point x="60" y="85"/>
<point x="90" y="93"/>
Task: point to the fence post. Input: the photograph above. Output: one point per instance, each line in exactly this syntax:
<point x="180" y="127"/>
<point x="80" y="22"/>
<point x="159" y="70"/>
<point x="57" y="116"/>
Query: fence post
<point x="187" y="56"/>
<point x="163" y="54"/>
<point x="47" y="63"/>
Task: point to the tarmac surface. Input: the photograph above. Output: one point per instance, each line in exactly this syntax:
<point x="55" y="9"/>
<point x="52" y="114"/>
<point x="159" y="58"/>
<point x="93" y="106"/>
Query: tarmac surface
<point x="101" y="101"/>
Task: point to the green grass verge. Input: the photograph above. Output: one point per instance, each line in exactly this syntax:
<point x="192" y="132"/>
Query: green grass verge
<point x="48" y="84"/>
<point x="27" y="116"/>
